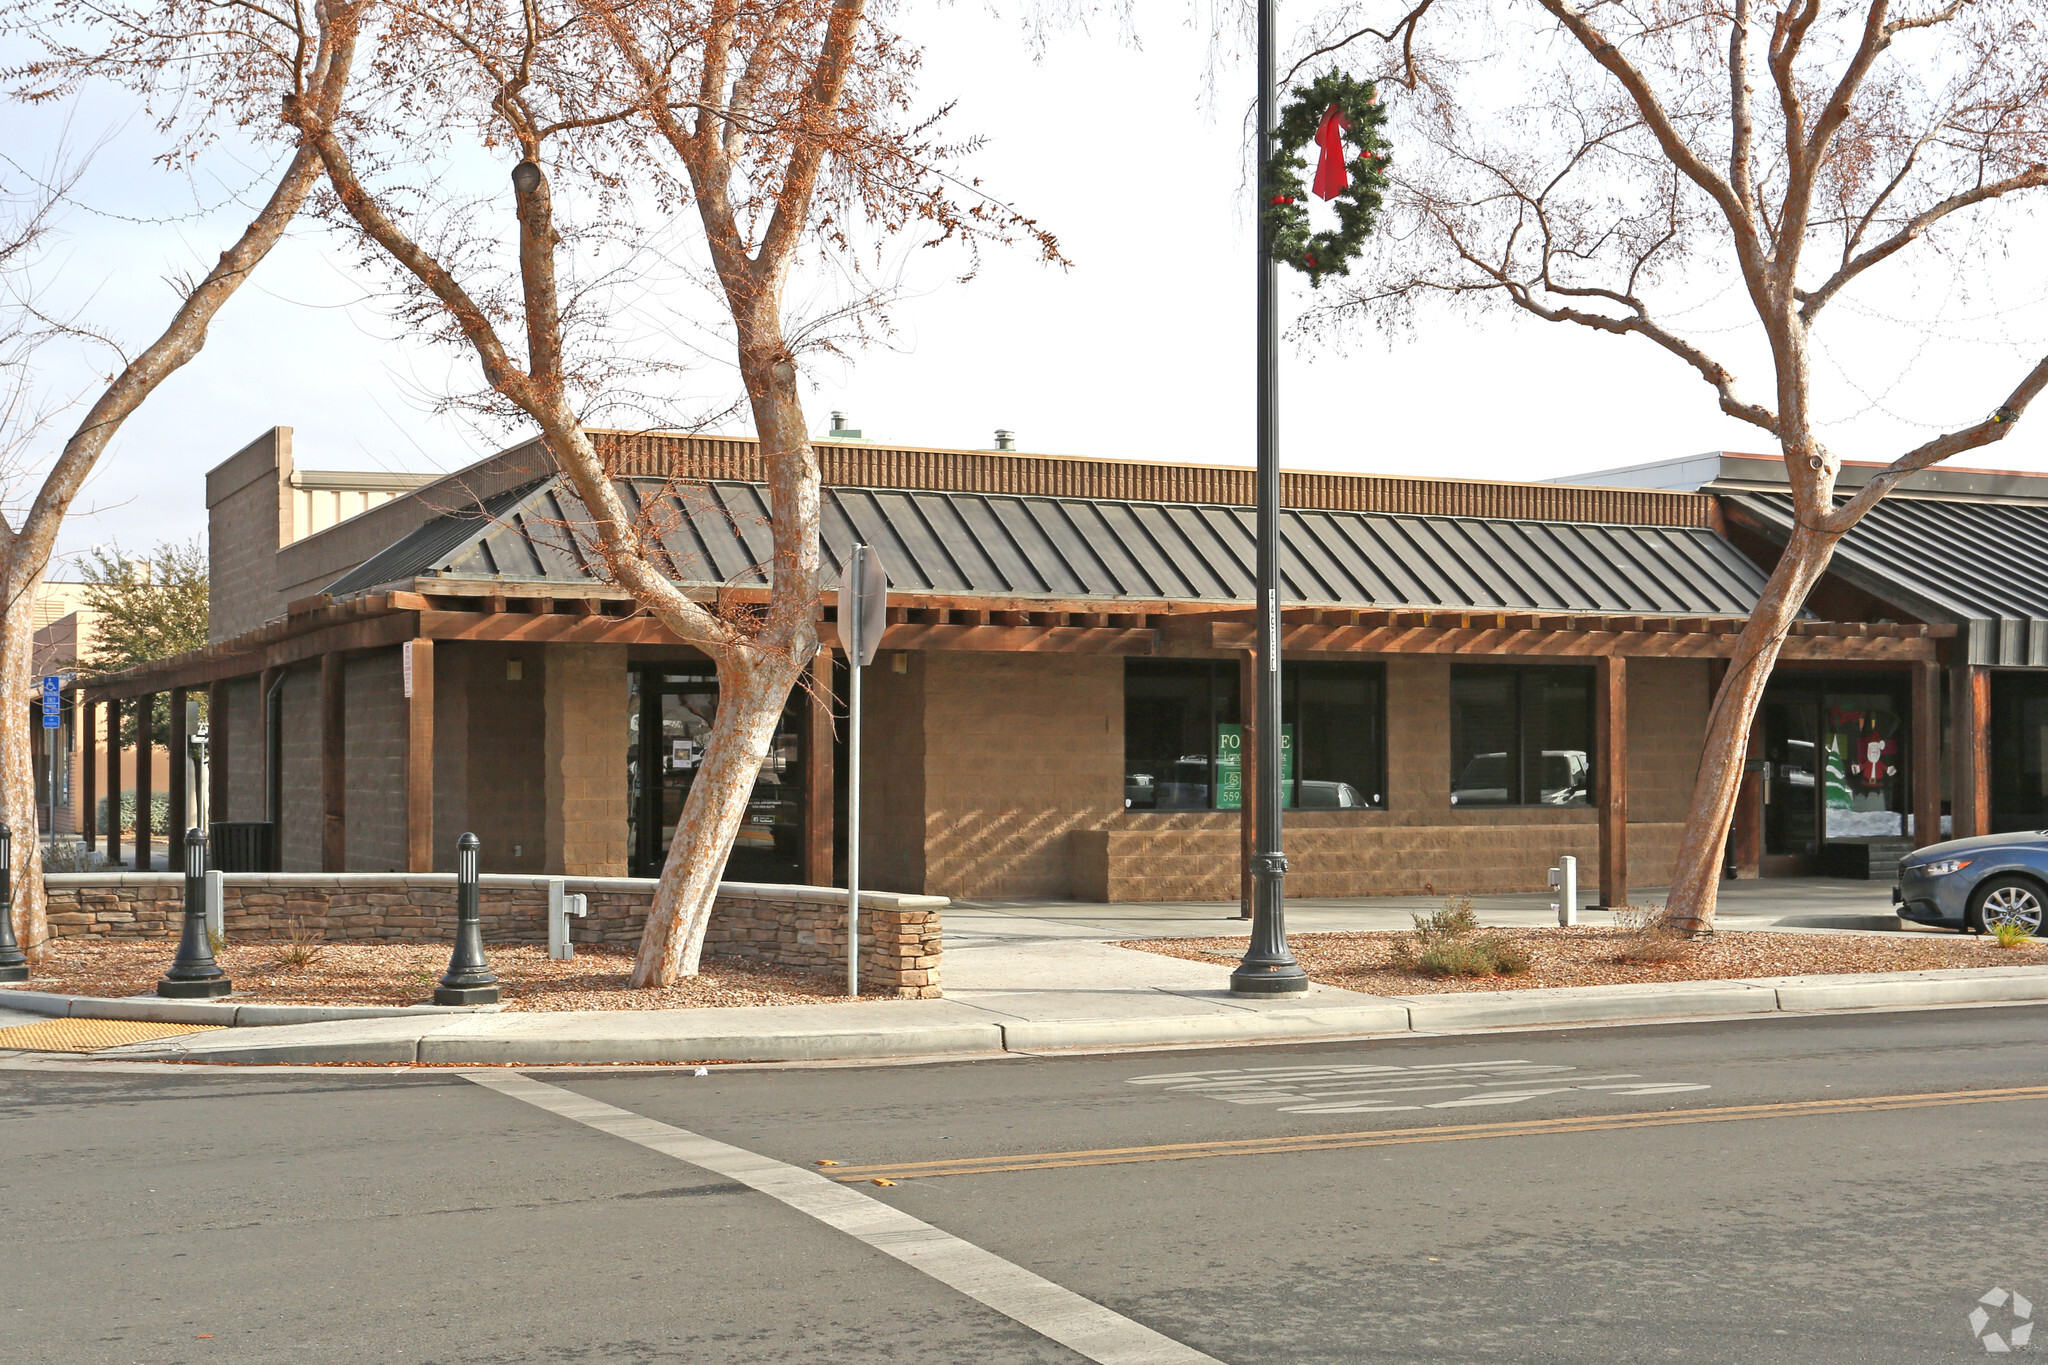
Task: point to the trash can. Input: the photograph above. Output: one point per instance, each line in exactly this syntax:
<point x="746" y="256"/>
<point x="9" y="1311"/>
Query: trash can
<point x="241" y="845"/>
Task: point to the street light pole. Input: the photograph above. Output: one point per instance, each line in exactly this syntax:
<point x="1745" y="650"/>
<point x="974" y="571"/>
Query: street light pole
<point x="1268" y="967"/>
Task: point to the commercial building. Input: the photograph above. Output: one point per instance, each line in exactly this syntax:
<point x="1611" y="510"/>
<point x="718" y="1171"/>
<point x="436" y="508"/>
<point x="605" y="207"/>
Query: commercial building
<point x="1481" y="676"/>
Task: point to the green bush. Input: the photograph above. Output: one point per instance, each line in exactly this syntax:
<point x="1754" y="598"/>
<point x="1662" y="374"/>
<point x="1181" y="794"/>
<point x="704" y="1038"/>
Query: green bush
<point x="159" y="812"/>
<point x="1454" y="921"/>
<point x="1488" y="956"/>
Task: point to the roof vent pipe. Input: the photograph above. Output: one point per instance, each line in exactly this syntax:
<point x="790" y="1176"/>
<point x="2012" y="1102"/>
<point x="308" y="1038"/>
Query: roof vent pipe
<point x="1005" y="439"/>
<point x="840" y="431"/>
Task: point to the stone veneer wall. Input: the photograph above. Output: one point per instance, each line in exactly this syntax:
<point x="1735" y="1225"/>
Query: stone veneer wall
<point x="790" y="926"/>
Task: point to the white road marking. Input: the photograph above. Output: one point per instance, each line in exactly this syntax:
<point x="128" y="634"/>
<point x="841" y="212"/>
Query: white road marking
<point x="1363" y="1088"/>
<point x="1047" y="1309"/>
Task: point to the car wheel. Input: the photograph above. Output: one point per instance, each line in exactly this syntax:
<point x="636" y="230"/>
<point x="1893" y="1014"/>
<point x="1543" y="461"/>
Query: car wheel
<point x="2007" y="900"/>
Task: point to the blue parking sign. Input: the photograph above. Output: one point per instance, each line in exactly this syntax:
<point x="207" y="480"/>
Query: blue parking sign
<point x="53" y="702"/>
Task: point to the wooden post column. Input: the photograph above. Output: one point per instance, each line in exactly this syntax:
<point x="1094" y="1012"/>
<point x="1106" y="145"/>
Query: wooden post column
<point x="1924" y="762"/>
<point x="817" y="750"/>
<point x="89" y="772"/>
<point x="145" y="779"/>
<point x="334" y="762"/>
<point x="1248" y="777"/>
<point x="418" y="670"/>
<point x="1610" y="785"/>
<point x="180" y="815"/>
<point x="216" y="751"/>
<point x="1969" y="753"/>
<point x="113" y="782"/>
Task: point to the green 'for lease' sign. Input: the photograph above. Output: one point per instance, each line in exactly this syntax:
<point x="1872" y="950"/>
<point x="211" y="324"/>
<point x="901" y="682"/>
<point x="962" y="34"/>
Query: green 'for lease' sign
<point x="1230" y="767"/>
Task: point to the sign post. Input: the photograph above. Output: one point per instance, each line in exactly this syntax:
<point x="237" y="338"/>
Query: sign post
<point x="863" y="614"/>
<point x="53" y="719"/>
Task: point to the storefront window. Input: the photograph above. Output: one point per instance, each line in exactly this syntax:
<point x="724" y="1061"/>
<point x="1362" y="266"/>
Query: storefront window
<point x="2019" y="752"/>
<point x="1172" y="708"/>
<point x="1180" y="716"/>
<point x="1863" y="787"/>
<point x="1521" y="736"/>
<point x="668" y="724"/>
<point x="1338" y="716"/>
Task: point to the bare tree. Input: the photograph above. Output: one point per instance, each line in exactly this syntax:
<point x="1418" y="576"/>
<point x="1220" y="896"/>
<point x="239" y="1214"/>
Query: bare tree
<point x="1798" y="146"/>
<point x="781" y="125"/>
<point x="214" y="63"/>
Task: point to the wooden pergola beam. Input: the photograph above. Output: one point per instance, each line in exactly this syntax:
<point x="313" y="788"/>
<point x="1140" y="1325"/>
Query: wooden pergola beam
<point x="1610" y="782"/>
<point x="1562" y="644"/>
<point x="419" y="757"/>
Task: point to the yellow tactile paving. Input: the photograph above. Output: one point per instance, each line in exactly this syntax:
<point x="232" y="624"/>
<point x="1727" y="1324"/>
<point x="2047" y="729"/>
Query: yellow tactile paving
<point x="90" y="1035"/>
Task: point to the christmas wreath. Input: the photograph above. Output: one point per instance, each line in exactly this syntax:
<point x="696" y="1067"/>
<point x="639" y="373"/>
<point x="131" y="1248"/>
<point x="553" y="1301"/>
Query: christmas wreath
<point x="1332" y="112"/>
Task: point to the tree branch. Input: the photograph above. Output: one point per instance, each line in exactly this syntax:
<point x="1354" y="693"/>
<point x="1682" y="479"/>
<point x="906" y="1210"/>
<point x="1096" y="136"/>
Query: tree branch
<point x="1812" y="302"/>
<point x="1992" y="429"/>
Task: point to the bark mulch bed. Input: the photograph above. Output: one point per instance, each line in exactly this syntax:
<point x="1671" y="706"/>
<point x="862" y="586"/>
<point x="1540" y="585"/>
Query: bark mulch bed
<point x="405" y="973"/>
<point x="1601" y="956"/>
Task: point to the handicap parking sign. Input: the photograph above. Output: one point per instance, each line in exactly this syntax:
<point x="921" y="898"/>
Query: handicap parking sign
<point x="53" y="698"/>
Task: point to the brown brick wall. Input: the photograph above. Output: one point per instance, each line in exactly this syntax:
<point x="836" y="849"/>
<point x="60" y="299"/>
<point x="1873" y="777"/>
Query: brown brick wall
<point x="900" y="945"/>
<point x="1032" y="750"/>
<point x="453" y="813"/>
<point x="376" y="763"/>
<point x="245" y="753"/>
<point x="893" y="844"/>
<point x="585" y="785"/>
<point x="248" y="515"/>
<point x="862" y="465"/>
<point x="300" y="723"/>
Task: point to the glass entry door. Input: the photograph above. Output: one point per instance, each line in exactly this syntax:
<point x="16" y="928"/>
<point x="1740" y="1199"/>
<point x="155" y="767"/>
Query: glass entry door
<point x="1791" y="783"/>
<point x="1836" y="775"/>
<point x="668" y="726"/>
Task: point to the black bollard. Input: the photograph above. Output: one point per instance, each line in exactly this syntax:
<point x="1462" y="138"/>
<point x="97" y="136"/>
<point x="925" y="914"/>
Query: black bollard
<point x="13" y="962"/>
<point x="194" y="974"/>
<point x="468" y="980"/>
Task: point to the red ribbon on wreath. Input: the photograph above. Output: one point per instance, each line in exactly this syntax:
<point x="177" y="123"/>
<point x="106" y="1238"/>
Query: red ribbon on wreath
<point x="1331" y="177"/>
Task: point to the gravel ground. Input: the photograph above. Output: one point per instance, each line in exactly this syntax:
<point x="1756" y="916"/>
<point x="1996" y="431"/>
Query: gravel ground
<point x="405" y="973"/>
<point x="1587" y="956"/>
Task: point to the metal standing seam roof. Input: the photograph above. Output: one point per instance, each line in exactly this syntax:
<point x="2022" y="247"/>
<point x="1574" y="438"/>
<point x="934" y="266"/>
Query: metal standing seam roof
<point x="984" y="544"/>
<point x="1981" y="566"/>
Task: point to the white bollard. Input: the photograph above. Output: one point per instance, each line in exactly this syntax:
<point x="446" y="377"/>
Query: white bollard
<point x="1565" y="877"/>
<point x="217" y="905"/>
<point x="561" y="905"/>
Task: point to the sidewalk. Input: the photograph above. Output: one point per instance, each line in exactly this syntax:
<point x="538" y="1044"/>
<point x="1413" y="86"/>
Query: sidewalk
<point x="1026" y="977"/>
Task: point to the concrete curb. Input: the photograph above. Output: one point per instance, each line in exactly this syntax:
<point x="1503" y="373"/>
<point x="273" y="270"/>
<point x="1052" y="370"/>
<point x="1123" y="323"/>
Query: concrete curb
<point x="228" y="1013"/>
<point x="606" y="1037"/>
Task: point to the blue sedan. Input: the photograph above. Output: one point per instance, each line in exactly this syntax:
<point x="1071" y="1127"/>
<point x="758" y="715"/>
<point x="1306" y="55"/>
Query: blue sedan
<point x="1976" y="884"/>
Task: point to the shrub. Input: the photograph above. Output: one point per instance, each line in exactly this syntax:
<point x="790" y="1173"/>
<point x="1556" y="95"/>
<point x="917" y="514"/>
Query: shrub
<point x="71" y="856"/>
<point x="1509" y="958"/>
<point x="159" y="813"/>
<point x="1488" y="956"/>
<point x="2010" y="935"/>
<point x="1454" y="959"/>
<point x="1452" y="922"/>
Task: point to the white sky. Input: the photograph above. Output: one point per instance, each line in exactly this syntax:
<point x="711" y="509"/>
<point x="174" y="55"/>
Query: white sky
<point x="1140" y="351"/>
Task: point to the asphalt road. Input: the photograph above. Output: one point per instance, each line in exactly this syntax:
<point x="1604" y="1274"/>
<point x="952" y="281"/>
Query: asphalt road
<point x="1628" y="1194"/>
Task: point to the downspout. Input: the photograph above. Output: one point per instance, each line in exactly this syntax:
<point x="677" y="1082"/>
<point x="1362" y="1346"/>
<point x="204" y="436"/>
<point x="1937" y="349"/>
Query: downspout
<point x="273" y="771"/>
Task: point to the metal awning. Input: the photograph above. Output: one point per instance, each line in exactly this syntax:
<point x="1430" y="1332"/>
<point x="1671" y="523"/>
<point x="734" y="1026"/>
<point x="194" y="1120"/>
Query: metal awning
<point x="954" y="544"/>
<point x="1980" y="566"/>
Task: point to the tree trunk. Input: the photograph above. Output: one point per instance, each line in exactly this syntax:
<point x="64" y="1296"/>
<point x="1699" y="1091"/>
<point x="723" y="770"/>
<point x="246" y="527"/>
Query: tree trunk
<point x="1696" y="880"/>
<point x="752" y="692"/>
<point x="19" y="809"/>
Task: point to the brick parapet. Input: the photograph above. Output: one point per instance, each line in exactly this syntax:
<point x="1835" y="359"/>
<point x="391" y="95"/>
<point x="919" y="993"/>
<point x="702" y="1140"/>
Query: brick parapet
<point x="796" y="927"/>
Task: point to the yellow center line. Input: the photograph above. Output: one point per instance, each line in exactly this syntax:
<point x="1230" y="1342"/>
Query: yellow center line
<point x="1390" y="1137"/>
